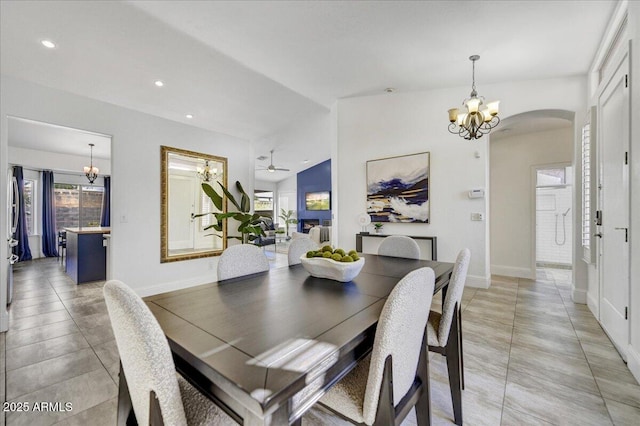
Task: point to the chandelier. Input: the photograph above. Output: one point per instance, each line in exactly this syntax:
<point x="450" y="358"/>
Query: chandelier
<point x="91" y="172"/>
<point x="478" y="119"/>
<point x="207" y="173"/>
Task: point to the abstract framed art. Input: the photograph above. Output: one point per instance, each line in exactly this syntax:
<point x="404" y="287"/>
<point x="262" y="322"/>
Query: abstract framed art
<point x="398" y="189"/>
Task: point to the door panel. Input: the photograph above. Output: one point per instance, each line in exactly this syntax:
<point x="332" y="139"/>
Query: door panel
<point x="614" y="202"/>
<point x="180" y="210"/>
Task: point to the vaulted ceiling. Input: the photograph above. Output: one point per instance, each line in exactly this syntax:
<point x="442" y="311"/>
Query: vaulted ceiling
<point x="251" y="69"/>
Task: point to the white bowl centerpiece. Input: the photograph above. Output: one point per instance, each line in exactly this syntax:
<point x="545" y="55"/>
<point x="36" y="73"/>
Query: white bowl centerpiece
<point x="332" y="264"/>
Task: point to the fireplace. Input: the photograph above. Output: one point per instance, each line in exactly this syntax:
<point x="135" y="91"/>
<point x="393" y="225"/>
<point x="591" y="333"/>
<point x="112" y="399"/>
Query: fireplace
<point x="306" y="224"/>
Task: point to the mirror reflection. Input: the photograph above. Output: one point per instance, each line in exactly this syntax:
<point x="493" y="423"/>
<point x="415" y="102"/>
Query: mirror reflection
<point x="183" y="233"/>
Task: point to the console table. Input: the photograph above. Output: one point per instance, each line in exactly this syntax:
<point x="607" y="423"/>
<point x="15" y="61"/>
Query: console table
<point x="433" y="240"/>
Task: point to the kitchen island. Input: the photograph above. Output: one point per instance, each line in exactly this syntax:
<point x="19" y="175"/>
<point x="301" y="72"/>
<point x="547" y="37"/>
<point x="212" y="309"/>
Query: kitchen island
<point x="86" y="254"/>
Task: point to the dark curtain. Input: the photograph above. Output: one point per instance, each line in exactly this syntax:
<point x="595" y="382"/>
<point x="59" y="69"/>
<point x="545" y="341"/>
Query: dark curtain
<point x="22" y="250"/>
<point x="106" y="203"/>
<point x="49" y="236"/>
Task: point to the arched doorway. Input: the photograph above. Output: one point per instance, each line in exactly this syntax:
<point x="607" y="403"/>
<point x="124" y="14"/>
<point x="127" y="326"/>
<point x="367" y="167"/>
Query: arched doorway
<point x="531" y="198"/>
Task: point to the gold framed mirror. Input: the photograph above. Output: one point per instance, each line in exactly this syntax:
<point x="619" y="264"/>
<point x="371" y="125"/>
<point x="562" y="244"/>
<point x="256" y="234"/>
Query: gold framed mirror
<point x="182" y="233"/>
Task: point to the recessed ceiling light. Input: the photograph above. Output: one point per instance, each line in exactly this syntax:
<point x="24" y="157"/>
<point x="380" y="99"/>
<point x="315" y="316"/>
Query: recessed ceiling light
<point x="48" y="44"/>
<point x="305" y="161"/>
<point x="159" y="83"/>
<point x="389" y="90"/>
<point x="189" y="116"/>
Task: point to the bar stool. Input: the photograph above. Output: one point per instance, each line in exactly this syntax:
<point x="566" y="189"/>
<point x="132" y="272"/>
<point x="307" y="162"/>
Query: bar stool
<point x="62" y="245"/>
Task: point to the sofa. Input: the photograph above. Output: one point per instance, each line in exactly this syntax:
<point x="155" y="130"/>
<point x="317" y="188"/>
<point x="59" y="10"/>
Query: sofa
<point x="269" y="229"/>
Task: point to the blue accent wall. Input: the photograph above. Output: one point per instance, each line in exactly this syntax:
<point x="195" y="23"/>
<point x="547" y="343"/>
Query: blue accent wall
<point x="314" y="179"/>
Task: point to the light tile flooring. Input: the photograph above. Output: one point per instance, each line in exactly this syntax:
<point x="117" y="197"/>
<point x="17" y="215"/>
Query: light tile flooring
<point x="532" y="357"/>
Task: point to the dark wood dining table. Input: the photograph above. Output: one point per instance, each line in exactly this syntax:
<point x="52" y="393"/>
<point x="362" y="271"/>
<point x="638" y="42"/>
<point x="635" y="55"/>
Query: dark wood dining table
<point x="265" y="347"/>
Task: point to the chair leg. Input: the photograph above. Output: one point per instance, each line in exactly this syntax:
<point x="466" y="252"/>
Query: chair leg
<point x="126" y="415"/>
<point x="452" y="352"/>
<point x="155" y="413"/>
<point x="423" y="406"/>
<point x="385" y="413"/>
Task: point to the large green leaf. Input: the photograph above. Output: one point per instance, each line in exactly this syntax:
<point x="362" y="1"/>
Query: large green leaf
<point x="245" y="203"/>
<point x="222" y="216"/>
<point x="211" y="193"/>
<point x="230" y="196"/>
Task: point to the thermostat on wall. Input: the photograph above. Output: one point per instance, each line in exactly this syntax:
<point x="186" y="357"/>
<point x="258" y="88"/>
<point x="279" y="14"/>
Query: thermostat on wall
<point x="476" y="193"/>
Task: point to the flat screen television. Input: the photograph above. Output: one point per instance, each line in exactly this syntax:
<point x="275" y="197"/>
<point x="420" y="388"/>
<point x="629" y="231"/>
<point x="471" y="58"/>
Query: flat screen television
<point x="318" y="200"/>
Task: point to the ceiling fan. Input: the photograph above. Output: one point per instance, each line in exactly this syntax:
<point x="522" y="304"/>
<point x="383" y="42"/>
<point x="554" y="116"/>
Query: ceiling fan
<point x="271" y="168"/>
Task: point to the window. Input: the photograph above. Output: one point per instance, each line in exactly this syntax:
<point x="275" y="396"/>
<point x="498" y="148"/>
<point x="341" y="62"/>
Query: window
<point x="77" y="205"/>
<point x="551" y="177"/>
<point x="30" y="205"/>
<point x="263" y="203"/>
<point x="586" y="188"/>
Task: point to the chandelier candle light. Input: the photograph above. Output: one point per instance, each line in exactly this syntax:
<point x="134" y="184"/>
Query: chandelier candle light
<point x="90" y="171"/>
<point x="206" y="173"/>
<point x="478" y="119"/>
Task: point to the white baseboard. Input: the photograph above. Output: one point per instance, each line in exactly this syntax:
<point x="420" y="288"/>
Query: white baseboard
<point x="633" y="362"/>
<point x="578" y="295"/>
<point x="593" y="306"/>
<point x="512" y="271"/>
<point x="478" y="282"/>
<point x="174" y="285"/>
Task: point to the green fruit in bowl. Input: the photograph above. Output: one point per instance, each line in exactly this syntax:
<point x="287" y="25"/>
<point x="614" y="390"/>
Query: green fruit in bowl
<point x="355" y="257"/>
<point x="326" y="254"/>
<point x="310" y="254"/>
<point x="340" y="251"/>
<point x="327" y="248"/>
<point x="337" y="257"/>
<point x="346" y="259"/>
<point x="352" y="252"/>
<point x="318" y="254"/>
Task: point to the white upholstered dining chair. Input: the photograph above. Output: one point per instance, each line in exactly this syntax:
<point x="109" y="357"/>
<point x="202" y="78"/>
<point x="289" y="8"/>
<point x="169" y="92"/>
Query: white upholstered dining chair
<point x="298" y="247"/>
<point x="382" y="388"/>
<point x="399" y="246"/>
<point x="158" y="394"/>
<point x="241" y="259"/>
<point x="445" y="331"/>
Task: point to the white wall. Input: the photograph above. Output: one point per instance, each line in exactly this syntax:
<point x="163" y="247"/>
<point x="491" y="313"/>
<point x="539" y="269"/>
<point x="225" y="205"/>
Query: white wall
<point x="36" y="159"/>
<point x="287" y="190"/>
<point x="266" y="186"/>
<point x="135" y="203"/>
<point x="405" y="123"/>
<point x="512" y="194"/>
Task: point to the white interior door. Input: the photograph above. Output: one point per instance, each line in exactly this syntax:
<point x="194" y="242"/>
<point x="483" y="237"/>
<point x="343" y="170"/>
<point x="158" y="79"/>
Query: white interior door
<point x="182" y="205"/>
<point x="614" y="202"/>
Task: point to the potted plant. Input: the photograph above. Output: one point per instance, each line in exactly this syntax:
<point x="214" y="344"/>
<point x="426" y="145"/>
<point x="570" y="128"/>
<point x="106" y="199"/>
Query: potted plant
<point x="250" y="224"/>
<point x="378" y="226"/>
<point x="287" y="217"/>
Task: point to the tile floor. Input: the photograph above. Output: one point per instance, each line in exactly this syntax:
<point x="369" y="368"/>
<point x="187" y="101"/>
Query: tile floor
<point x="532" y="357"/>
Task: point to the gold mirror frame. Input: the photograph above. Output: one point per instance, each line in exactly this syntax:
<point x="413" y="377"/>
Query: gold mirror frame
<point x="165" y="201"/>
